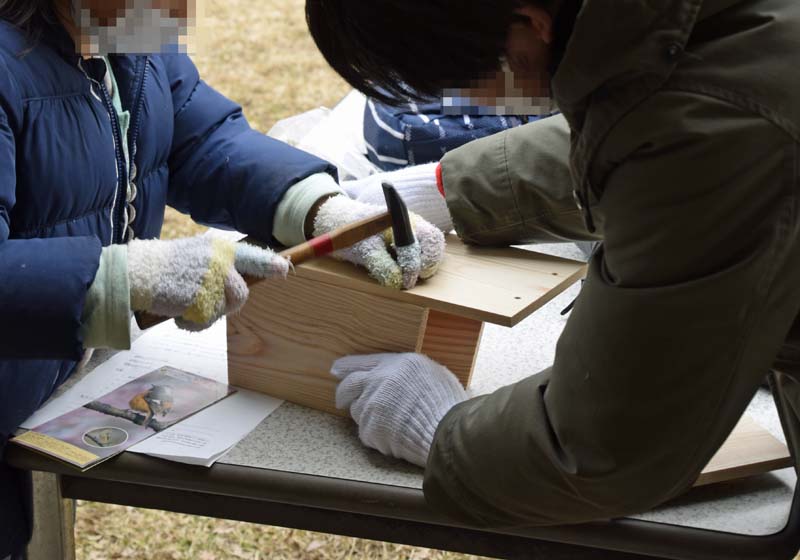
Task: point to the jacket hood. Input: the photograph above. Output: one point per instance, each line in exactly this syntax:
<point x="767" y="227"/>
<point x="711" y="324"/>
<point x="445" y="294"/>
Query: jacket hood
<point x="634" y="38"/>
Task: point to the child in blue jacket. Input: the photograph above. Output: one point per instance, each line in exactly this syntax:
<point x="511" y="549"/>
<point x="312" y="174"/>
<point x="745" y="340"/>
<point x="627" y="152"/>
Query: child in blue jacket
<point x="94" y="143"/>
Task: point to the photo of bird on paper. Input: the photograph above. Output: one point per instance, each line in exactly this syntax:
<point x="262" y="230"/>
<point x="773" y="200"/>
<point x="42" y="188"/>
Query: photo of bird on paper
<point x="135" y="411"/>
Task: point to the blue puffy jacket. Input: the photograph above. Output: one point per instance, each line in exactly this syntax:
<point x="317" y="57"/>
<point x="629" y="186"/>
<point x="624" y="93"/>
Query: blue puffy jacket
<point x="62" y="197"/>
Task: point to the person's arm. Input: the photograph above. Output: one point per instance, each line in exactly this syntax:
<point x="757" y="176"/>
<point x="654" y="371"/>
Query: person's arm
<point x="683" y="311"/>
<point x="515" y="187"/>
<point x="681" y="315"/>
<point x="43" y="282"/>
<point x="226" y="174"/>
<point x="222" y="172"/>
<point x="509" y="188"/>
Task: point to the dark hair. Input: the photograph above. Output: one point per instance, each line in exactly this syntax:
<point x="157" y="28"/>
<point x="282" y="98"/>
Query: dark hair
<point x="29" y="15"/>
<point x="410" y="49"/>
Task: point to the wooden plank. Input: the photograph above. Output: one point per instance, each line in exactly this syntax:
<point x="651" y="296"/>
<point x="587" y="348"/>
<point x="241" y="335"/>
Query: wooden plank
<point x="749" y="450"/>
<point x="453" y="342"/>
<point x="286" y="338"/>
<point x="501" y="286"/>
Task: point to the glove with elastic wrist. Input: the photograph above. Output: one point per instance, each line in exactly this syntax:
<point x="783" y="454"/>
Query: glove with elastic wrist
<point x="397" y="400"/>
<point x="419" y="186"/>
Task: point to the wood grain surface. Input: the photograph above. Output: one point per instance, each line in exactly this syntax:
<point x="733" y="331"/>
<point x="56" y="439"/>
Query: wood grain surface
<point x="501" y="286"/>
<point x="285" y="340"/>
<point x="453" y="341"/>
<point x="749" y="450"/>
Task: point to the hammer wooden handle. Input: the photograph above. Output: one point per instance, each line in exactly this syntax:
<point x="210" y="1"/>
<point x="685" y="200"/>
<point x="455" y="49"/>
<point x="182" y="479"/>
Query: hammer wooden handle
<point x="336" y="240"/>
<point x="321" y="246"/>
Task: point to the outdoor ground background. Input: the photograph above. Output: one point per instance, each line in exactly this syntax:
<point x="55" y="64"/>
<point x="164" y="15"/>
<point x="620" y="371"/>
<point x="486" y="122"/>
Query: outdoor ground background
<point x="259" y="53"/>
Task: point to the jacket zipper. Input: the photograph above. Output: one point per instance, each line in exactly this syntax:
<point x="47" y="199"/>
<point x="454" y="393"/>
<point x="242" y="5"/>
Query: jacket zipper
<point x="134" y="132"/>
<point x="136" y="121"/>
<point x="117" y="211"/>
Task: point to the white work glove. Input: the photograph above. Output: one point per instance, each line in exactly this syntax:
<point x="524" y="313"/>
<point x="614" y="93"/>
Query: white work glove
<point x="418" y="187"/>
<point x="397" y="400"/>
<point x="420" y="260"/>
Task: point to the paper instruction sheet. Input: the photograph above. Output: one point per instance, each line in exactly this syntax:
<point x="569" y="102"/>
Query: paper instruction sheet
<point x="210" y="434"/>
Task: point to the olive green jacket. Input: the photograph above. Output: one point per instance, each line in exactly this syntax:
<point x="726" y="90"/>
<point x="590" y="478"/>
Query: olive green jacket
<point x="683" y="158"/>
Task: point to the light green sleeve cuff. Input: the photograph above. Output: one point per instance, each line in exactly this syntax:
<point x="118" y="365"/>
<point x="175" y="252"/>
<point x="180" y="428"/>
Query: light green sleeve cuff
<point x="107" y="312"/>
<point x="291" y="214"/>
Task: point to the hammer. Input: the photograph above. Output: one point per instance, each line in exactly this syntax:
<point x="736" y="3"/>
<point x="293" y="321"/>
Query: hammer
<point x="396" y="217"/>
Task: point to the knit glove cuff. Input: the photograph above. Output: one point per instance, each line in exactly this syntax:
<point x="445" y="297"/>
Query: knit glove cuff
<point x="417" y="185"/>
<point x="295" y="206"/>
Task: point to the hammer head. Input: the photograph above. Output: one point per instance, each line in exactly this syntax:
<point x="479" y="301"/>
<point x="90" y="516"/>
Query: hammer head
<point x="401" y="221"/>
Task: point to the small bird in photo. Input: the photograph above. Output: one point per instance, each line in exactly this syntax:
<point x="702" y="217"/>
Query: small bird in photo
<point x="157" y="400"/>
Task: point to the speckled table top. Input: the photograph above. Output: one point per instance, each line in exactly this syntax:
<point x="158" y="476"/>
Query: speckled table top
<point x="301" y="440"/>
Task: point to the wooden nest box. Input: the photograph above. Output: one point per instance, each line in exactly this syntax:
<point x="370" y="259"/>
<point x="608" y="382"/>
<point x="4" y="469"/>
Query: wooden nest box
<point x="286" y="338"/>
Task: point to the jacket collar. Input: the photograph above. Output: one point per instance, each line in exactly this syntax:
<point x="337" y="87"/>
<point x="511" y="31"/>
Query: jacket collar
<point x="635" y="38"/>
<point x="58" y="38"/>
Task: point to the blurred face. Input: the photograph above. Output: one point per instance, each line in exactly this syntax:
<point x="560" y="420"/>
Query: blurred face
<point x="107" y="11"/>
<point x="522" y="86"/>
<point x="132" y="26"/>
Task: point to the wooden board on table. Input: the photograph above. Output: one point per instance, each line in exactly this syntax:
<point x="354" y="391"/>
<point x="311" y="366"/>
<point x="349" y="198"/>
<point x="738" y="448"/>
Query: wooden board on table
<point x="749" y="450"/>
<point x="501" y="286"/>
<point x="287" y="336"/>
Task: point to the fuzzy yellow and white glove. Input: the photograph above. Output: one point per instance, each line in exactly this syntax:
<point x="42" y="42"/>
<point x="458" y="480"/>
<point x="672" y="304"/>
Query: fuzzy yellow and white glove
<point x="196" y="280"/>
<point x="399" y="269"/>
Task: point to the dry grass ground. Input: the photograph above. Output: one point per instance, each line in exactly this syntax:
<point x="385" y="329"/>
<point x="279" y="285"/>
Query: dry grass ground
<point x="257" y="52"/>
<point x="112" y="532"/>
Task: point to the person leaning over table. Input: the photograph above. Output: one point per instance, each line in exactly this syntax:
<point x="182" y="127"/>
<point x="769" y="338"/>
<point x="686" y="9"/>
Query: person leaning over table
<point x="94" y="143"/>
<point x="679" y="144"/>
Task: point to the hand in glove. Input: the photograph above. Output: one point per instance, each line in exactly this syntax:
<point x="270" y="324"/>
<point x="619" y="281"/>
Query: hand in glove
<point x="196" y="280"/>
<point x="417" y="185"/>
<point x="376" y="253"/>
<point x="397" y="400"/>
